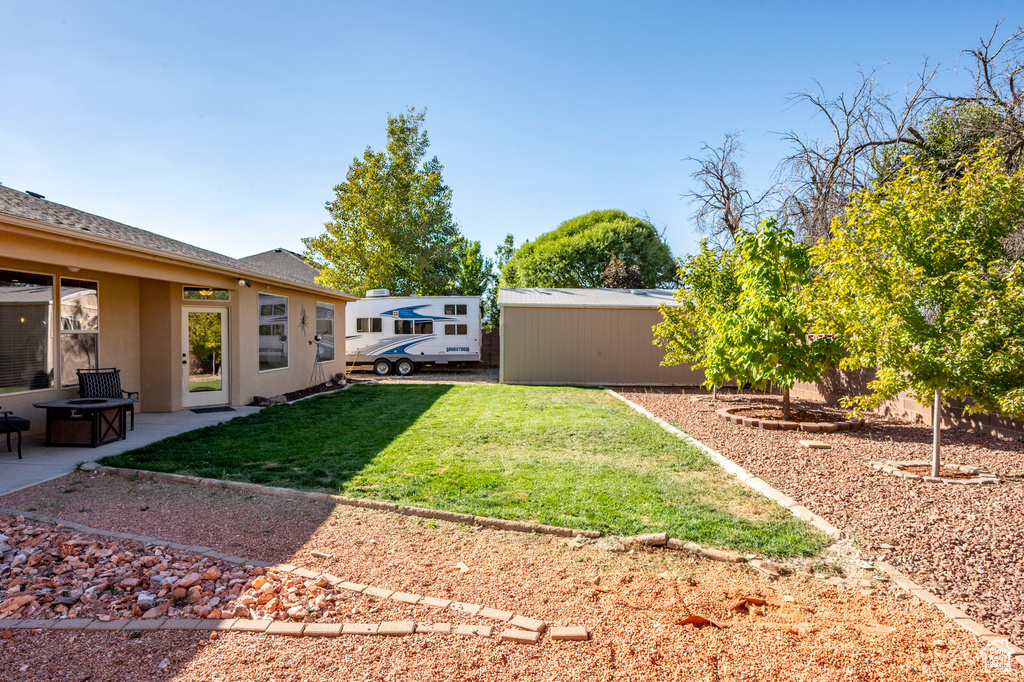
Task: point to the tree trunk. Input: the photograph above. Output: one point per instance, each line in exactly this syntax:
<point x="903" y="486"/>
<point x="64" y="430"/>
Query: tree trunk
<point x="785" y="403"/>
<point x="936" y="430"/>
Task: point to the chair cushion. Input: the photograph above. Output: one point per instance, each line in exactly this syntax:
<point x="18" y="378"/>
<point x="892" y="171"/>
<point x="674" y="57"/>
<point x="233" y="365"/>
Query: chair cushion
<point x="14" y="424"/>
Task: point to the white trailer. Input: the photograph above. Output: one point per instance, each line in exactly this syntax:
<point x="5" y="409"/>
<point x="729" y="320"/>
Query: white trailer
<point x="400" y="333"/>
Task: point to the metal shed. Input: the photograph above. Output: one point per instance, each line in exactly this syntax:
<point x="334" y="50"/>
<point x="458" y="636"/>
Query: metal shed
<point x="586" y="337"/>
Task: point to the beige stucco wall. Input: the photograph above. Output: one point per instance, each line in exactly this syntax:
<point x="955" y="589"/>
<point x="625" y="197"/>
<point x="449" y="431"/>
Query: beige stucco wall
<point x="140" y="308"/>
<point x="585" y="346"/>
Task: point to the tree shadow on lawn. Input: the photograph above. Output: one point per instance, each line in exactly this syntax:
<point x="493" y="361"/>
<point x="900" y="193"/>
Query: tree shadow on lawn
<point x="316" y="444"/>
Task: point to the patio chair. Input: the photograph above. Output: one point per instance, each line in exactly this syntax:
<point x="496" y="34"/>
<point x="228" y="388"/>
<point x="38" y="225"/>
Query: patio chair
<point x="11" y="424"/>
<point x="105" y="382"/>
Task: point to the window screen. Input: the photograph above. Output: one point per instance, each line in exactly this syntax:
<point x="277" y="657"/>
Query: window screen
<point x="26" y="360"/>
<point x="273" y="332"/>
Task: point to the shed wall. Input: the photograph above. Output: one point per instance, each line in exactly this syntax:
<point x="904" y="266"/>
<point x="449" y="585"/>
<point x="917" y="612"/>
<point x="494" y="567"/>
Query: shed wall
<point x="586" y="346"/>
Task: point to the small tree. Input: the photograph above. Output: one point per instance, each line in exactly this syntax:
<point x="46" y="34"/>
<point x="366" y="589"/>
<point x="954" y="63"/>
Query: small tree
<point x="769" y="330"/>
<point x="695" y="330"/>
<point x="916" y="284"/>
<point x="618" y="276"/>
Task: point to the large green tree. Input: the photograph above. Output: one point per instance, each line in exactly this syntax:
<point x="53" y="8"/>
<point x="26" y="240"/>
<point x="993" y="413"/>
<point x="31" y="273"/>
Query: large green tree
<point x="576" y="253"/>
<point x="391" y="222"/>
<point x="917" y="284"/>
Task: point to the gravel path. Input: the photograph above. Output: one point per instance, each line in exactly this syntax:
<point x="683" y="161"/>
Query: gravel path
<point x="807" y="629"/>
<point x="965" y="543"/>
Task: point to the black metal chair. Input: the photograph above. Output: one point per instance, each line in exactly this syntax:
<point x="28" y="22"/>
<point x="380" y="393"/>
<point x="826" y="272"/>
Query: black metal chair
<point x="105" y="382"/>
<point x="11" y="424"/>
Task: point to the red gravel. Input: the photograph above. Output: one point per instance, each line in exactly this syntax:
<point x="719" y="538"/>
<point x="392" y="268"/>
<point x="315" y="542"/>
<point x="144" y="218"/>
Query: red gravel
<point x="965" y="543"/>
<point x="630" y="603"/>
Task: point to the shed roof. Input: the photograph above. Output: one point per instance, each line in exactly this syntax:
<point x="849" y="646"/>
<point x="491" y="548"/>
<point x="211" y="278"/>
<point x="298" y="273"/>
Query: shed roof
<point x="585" y="298"/>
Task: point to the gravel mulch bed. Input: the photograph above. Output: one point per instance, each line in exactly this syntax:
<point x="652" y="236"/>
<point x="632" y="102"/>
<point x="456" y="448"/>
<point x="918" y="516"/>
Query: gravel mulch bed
<point x="631" y="603"/>
<point x="964" y="543"/>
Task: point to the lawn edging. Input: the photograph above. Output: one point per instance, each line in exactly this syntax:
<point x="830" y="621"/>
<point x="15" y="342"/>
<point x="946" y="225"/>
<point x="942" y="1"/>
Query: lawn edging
<point x="895" y="575"/>
<point x="651" y="540"/>
<point x="741" y="474"/>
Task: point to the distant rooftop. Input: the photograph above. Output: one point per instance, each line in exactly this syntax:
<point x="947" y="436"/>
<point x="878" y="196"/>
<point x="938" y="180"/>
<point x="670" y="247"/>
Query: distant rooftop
<point x="585" y="298"/>
<point x="284" y="263"/>
<point x="21" y="205"/>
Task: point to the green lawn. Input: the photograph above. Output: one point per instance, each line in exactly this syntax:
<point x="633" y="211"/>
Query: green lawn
<point x="561" y="456"/>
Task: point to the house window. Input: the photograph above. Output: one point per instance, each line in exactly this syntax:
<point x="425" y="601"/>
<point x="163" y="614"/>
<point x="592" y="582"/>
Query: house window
<point x="455" y="309"/>
<point x="455" y="330"/>
<point x="325" y="328"/>
<point x="79" y="329"/>
<point x="369" y="324"/>
<point x="273" y="331"/>
<point x="205" y="294"/>
<point x="26" y="305"/>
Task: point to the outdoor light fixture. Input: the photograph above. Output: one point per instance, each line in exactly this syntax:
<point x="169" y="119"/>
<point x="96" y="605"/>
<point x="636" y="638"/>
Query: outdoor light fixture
<point x="73" y="269"/>
<point x="244" y="283"/>
<point x="206" y="292"/>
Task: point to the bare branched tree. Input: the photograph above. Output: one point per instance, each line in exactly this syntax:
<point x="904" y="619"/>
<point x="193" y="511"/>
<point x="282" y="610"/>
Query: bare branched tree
<point x="724" y="205"/>
<point x="820" y="174"/>
<point x="998" y="71"/>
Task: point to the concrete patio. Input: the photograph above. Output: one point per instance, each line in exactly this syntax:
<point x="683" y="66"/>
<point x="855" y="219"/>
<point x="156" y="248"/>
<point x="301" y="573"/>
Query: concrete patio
<point x="40" y="463"/>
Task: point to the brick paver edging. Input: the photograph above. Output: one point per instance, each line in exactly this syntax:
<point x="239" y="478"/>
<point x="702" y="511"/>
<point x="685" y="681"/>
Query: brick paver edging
<point x="981" y="477"/>
<point x="741" y="474"/>
<point x="898" y="578"/>
<point x="726" y="414"/>
<point x="254" y="488"/>
<point x="268" y="626"/>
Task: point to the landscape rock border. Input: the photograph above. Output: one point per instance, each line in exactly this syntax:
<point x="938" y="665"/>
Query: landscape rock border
<point x="898" y="469"/>
<point x="266" y="625"/>
<point x="897" y="577"/>
<point x="726" y="414"/>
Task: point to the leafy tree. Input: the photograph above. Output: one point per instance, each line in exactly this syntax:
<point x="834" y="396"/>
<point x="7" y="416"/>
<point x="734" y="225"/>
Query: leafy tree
<point x="916" y="284"/>
<point x="618" y="276"/>
<point x="577" y="251"/>
<point x="474" y="274"/>
<point x="204" y="339"/>
<point x="502" y="254"/>
<point x="391" y="222"/>
<point x="769" y="329"/>
<point x="695" y="330"/>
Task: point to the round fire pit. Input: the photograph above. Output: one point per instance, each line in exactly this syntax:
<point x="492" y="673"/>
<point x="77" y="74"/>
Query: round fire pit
<point x="729" y="414"/>
<point x="950" y="474"/>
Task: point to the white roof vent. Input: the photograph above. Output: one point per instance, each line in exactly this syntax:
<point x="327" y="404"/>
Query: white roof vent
<point x="378" y="293"/>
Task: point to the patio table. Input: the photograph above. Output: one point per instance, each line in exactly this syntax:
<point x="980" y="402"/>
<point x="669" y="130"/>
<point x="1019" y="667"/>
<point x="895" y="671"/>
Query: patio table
<point x="85" y="422"/>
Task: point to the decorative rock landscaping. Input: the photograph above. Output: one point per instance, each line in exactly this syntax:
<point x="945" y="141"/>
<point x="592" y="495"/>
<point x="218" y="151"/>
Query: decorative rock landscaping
<point x="53" y="576"/>
<point x="976" y="475"/>
<point x="729" y="414"/>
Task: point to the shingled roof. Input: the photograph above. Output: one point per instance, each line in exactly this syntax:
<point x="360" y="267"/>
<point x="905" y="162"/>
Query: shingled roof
<point x="22" y="205"/>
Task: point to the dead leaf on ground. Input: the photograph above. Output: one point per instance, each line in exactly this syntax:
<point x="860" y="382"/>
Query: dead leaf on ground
<point x="699" y="622"/>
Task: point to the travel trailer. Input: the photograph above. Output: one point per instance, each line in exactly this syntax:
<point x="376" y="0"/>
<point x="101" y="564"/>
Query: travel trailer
<point x="398" y="334"/>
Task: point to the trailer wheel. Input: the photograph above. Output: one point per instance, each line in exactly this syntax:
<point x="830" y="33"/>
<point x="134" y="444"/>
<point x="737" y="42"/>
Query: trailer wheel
<point x="382" y="367"/>
<point x="405" y="367"/>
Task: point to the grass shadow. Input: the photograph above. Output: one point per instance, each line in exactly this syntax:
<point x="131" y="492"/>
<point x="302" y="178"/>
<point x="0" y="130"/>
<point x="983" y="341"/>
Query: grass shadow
<point x="315" y="444"/>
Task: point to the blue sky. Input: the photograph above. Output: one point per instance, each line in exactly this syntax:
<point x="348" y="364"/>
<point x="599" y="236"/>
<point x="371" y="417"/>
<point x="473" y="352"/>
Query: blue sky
<point x="227" y="124"/>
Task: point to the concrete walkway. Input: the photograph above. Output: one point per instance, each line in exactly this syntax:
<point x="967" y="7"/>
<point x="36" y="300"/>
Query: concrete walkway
<point x="40" y="463"/>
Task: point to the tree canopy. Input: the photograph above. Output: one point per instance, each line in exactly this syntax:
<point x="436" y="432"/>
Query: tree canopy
<point x="576" y="253"/>
<point x="916" y="283"/>
<point x="391" y="223"/>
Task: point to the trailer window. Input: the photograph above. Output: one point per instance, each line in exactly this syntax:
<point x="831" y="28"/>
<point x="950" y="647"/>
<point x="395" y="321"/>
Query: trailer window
<point x="455" y="330"/>
<point x="371" y="324"/>
<point x="424" y="327"/>
<point x="455" y="309"/>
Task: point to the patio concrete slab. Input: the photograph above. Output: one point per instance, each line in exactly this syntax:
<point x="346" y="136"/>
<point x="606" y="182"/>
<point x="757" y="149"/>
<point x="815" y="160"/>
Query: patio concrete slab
<point x="40" y="463"/>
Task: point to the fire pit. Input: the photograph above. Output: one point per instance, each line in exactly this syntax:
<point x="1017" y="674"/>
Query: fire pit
<point x="818" y="425"/>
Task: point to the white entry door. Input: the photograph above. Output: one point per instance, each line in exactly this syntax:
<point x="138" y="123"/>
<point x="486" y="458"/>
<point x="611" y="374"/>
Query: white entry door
<point x="204" y="356"/>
